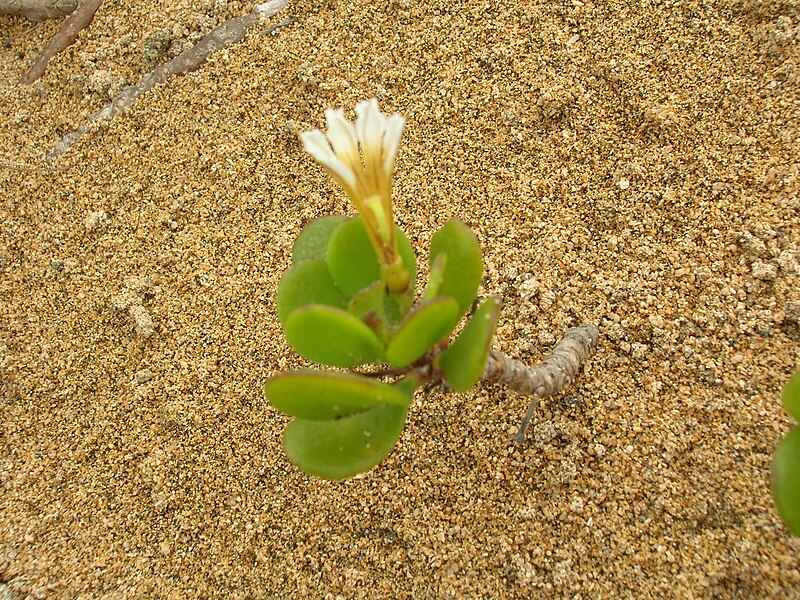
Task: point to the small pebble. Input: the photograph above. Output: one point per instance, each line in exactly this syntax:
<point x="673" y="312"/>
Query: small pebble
<point x="143" y="376"/>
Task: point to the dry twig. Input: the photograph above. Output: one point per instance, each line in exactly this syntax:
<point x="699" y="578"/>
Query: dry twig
<point x="7" y="41"/>
<point x="38" y="10"/>
<point x="222" y="36"/>
<point x="64" y="38"/>
<point x="550" y="376"/>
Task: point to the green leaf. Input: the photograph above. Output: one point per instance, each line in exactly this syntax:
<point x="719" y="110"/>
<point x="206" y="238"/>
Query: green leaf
<point x="406" y="253"/>
<point x="464" y="266"/>
<point x="435" y="277"/>
<point x="327" y="395"/>
<point x="345" y="447"/>
<point x="791" y="396"/>
<point x="307" y="282"/>
<point x="368" y="303"/>
<point x="352" y="260"/>
<point x="786" y="480"/>
<point x="313" y="240"/>
<point x="332" y="336"/>
<point x="422" y="328"/>
<point x="464" y="361"/>
<point x="392" y="309"/>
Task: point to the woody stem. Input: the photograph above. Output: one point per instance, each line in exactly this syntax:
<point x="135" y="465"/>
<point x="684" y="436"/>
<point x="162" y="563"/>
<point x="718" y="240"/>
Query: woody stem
<point x="547" y="378"/>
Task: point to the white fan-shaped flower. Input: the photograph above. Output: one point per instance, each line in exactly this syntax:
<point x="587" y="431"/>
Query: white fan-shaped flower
<point x="360" y="157"/>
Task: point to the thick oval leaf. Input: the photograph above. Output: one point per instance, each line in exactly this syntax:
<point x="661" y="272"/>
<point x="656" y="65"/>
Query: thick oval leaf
<point x="313" y="240"/>
<point x="392" y="309"/>
<point x="368" y="300"/>
<point x="368" y="305"/>
<point x="786" y="480"/>
<point x="344" y="447"/>
<point x="332" y="336"/>
<point x="307" y="282"/>
<point x="326" y="395"/>
<point x="464" y="361"/>
<point x="791" y="396"/>
<point x="464" y="266"/>
<point x="352" y="260"/>
<point x="422" y="328"/>
<point x="435" y="277"/>
<point x="406" y="252"/>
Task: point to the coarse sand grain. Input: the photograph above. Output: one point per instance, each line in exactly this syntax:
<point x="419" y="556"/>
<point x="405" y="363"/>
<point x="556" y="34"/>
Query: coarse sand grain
<point x="633" y="164"/>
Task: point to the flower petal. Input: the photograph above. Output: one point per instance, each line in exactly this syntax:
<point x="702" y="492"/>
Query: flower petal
<point x="391" y="141"/>
<point x="370" y="126"/>
<point x="360" y="156"/>
<point x="367" y="111"/>
<point x="342" y="136"/>
<point x="316" y="144"/>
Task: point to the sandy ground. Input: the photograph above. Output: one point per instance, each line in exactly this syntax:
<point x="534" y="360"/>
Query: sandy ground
<point x="635" y="164"/>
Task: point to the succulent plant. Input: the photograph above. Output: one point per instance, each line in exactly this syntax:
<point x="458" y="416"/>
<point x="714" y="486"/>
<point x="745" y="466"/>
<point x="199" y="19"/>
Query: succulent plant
<point x="348" y="299"/>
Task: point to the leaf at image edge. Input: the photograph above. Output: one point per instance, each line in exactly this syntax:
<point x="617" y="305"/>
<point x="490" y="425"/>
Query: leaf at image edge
<point x="786" y="480"/>
<point x="791" y="396"/>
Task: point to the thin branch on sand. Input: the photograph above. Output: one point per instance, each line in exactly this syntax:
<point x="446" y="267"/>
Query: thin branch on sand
<point x="64" y="38"/>
<point x="228" y="33"/>
<point x="38" y="10"/>
<point x="7" y="41"/>
<point x="550" y="376"/>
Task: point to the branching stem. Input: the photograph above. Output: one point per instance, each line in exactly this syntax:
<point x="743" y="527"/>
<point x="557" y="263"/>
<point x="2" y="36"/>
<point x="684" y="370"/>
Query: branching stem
<point x="547" y="378"/>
